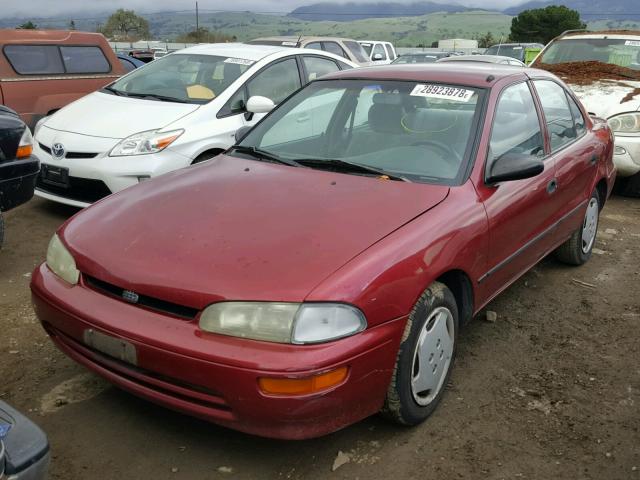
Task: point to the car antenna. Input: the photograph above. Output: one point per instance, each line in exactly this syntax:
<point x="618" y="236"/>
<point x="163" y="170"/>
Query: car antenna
<point x="500" y="44"/>
<point x="299" y="40"/>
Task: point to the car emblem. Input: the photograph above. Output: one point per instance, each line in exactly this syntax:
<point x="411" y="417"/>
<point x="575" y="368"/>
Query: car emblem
<point x="58" y="150"/>
<point x="129" y="296"/>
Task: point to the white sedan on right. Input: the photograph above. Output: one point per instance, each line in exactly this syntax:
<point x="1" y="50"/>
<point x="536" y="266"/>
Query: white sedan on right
<point x="180" y="109"/>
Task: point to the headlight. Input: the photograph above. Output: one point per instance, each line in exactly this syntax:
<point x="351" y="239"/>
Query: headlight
<point x="625" y="123"/>
<point x="297" y="323"/>
<point x="25" y="147"/>
<point x="143" y="143"/>
<point x="39" y="124"/>
<point x="60" y="261"/>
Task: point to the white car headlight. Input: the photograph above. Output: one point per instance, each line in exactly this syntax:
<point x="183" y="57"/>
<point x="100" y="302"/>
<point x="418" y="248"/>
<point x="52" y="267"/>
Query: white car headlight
<point x="60" y="261"/>
<point x="297" y="323"/>
<point x="625" y="123"/>
<point x="144" y="143"/>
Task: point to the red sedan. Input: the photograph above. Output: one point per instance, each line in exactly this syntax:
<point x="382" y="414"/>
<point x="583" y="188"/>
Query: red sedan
<point x="319" y="271"/>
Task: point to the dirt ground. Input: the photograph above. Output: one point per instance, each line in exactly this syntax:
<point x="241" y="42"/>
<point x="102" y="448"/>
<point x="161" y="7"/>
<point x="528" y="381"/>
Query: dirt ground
<point x="550" y="390"/>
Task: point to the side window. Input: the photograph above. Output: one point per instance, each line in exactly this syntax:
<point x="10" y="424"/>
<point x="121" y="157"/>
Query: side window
<point x="578" y="118"/>
<point x="389" y="51"/>
<point x="557" y="114"/>
<point x="316" y="67"/>
<point x="314" y="46"/>
<point x="34" y="59"/>
<point x="84" y="60"/>
<point x="379" y="50"/>
<point x="128" y="66"/>
<point x="333" y="47"/>
<point x="516" y="127"/>
<point x="277" y="81"/>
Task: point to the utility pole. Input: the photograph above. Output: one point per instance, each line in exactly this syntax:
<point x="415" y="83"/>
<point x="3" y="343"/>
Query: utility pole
<point x="197" y="25"/>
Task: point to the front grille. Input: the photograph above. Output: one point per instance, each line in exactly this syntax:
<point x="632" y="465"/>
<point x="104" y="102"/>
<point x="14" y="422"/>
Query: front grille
<point x="80" y="189"/>
<point x="152" y="381"/>
<point x="162" y="306"/>
<point x="71" y="155"/>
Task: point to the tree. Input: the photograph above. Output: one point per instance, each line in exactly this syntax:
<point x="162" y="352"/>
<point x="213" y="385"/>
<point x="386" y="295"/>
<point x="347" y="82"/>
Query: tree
<point x="126" y="25"/>
<point x="486" y="40"/>
<point x="543" y="24"/>
<point x="72" y="25"/>
<point x="204" y="35"/>
<point x="28" y="26"/>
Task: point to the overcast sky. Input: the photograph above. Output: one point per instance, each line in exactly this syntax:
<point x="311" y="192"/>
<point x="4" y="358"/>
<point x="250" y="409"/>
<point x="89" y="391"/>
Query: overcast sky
<point x="44" y="8"/>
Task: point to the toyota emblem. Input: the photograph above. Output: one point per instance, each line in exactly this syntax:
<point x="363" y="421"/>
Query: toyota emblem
<point x="58" y="150"/>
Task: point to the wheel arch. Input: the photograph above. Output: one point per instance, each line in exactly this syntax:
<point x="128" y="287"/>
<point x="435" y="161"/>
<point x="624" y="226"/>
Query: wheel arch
<point x="460" y="285"/>
<point x="602" y="188"/>
<point x="207" y="154"/>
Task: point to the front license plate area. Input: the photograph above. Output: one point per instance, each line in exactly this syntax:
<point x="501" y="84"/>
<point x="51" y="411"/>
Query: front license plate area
<point x="56" y="176"/>
<point x="114" y="347"/>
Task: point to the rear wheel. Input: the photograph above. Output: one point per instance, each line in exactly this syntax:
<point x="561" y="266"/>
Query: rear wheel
<point x="577" y="250"/>
<point x="425" y="357"/>
<point x="629" y="186"/>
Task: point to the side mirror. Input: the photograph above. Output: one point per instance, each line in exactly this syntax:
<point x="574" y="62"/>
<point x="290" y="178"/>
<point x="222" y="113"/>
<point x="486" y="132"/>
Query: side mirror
<point x="257" y="104"/>
<point x="514" y="166"/>
<point x="241" y="133"/>
<point x="377" y="56"/>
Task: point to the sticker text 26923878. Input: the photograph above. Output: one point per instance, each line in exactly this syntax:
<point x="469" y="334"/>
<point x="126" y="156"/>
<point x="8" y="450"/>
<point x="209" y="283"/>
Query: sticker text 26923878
<point x="456" y="94"/>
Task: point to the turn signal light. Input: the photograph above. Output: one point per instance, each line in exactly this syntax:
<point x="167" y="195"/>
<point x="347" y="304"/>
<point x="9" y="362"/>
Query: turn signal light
<point x="24" y="151"/>
<point x="303" y="386"/>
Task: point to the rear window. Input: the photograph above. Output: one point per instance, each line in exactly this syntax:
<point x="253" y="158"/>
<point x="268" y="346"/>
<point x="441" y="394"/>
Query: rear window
<point x="56" y="60"/>
<point x="34" y="59"/>
<point x="84" y="60"/>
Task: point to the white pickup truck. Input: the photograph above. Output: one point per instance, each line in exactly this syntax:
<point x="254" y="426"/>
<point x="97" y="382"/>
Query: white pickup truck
<point x="603" y="69"/>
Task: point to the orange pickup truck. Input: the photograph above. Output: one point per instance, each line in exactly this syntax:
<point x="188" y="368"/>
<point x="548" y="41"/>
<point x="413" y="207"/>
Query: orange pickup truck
<point x="41" y="71"/>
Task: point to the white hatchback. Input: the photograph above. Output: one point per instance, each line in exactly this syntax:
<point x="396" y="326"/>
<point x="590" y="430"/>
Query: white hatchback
<point x="180" y="109"/>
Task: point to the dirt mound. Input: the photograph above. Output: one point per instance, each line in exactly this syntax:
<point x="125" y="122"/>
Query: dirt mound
<point x="586" y="73"/>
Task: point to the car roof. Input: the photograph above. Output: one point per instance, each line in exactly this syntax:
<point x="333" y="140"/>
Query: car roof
<point x="615" y="34"/>
<point x="515" y="44"/>
<point x="45" y="36"/>
<point x="304" y="38"/>
<point x="478" y="58"/>
<point x="475" y="75"/>
<point x="239" y="50"/>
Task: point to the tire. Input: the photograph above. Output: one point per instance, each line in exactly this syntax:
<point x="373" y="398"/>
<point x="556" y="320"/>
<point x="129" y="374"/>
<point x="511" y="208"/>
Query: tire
<point x="433" y="323"/>
<point x="1" y="230"/>
<point x="629" y="186"/>
<point x="577" y="250"/>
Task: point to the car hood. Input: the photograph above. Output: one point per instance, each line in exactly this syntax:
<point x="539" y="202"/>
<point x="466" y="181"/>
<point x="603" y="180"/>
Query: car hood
<point x="606" y="98"/>
<point x="239" y="229"/>
<point x="104" y="115"/>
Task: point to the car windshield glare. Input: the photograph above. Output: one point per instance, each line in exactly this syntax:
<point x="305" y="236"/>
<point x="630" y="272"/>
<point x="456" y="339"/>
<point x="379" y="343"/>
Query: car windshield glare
<point x="420" y="131"/>
<point x="621" y="52"/>
<point x="188" y="78"/>
<point x="513" y="51"/>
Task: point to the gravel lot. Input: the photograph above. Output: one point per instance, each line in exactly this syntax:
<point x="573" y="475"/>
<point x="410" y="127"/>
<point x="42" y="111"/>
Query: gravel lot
<point x="550" y="390"/>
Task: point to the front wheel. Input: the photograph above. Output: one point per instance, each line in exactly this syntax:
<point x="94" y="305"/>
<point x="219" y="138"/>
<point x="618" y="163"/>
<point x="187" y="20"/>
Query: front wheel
<point x="577" y="250"/>
<point x="425" y="357"/>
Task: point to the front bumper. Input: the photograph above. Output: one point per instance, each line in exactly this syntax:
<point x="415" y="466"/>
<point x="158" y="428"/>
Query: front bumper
<point x="91" y="179"/>
<point x="215" y="377"/>
<point x="17" y="181"/>
<point x="626" y="155"/>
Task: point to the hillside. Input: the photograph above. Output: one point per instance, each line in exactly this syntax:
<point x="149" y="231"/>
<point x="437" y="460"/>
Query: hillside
<point x="344" y="12"/>
<point x="590" y="10"/>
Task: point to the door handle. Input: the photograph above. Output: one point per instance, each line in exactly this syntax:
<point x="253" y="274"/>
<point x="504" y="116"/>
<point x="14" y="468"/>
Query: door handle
<point x="552" y="186"/>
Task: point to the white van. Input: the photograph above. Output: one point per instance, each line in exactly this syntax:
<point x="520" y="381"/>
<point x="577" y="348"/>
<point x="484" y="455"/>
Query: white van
<point x="380" y="53"/>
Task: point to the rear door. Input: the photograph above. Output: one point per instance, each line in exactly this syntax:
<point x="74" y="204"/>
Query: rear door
<point x="520" y="213"/>
<point x="574" y="154"/>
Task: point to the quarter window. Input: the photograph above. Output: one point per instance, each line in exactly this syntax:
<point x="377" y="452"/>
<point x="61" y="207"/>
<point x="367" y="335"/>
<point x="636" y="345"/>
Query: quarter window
<point x="277" y="81"/>
<point x="578" y="118"/>
<point x="84" y="60"/>
<point x="557" y="114"/>
<point x="35" y="59"/>
<point x="516" y="126"/>
<point x="316" y="67"/>
<point x="389" y="51"/>
<point x="379" y="50"/>
<point x="334" y="48"/>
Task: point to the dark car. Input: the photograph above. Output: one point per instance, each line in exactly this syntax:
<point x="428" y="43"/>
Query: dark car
<point x="18" y="167"/>
<point x="318" y="273"/>
<point x="24" y="448"/>
<point x="129" y="63"/>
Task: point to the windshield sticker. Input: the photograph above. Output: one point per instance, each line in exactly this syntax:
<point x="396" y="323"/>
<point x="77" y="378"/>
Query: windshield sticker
<point x="446" y="93"/>
<point x="289" y="44"/>
<point x="632" y="43"/>
<point x="517" y="48"/>
<point x="239" y="61"/>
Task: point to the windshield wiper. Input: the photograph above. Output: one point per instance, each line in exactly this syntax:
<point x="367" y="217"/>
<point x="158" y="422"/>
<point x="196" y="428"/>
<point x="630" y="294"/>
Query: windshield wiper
<point x="264" y="155"/>
<point x="119" y="93"/>
<point x="348" y="167"/>
<point x="162" y="98"/>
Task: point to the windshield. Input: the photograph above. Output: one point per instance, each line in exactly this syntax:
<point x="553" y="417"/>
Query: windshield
<point x="416" y="59"/>
<point x="185" y="78"/>
<point x="513" y="51"/>
<point x="415" y="131"/>
<point x="356" y="49"/>
<point x="624" y="53"/>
